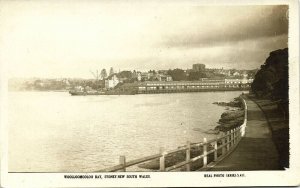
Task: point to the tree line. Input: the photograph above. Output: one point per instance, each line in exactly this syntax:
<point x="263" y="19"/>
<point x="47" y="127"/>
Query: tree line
<point x="272" y="80"/>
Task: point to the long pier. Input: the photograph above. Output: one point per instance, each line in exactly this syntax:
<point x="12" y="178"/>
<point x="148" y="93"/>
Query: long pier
<point x="219" y="148"/>
<point x="152" y="87"/>
<point x="191" y="86"/>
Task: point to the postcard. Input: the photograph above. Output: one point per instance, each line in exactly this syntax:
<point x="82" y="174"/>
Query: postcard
<point x="188" y="93"/>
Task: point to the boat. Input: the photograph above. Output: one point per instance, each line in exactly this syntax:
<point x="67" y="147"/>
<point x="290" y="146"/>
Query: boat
<point x="86" y="92"/>
<point x="94" y="92"/>
<point x="73" y="92"/>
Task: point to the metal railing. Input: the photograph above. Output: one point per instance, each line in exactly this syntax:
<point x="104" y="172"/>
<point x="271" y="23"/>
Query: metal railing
<point x="224" y="144"/>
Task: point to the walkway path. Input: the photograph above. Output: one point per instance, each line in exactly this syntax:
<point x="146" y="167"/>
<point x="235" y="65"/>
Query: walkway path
<point x="256" y="150"/>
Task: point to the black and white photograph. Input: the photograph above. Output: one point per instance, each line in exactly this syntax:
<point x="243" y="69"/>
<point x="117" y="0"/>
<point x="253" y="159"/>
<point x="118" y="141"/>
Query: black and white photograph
<point x="117" y="93"/>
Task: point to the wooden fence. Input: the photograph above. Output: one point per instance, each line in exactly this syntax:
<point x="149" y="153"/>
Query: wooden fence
<point x="220" y="146"/>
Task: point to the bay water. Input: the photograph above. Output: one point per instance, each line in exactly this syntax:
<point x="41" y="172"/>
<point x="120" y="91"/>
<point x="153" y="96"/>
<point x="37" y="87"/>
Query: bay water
<point x="57" y="132"/>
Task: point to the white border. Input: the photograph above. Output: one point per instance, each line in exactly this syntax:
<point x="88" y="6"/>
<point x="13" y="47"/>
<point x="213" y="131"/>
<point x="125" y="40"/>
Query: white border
<point x="178" y="179"/>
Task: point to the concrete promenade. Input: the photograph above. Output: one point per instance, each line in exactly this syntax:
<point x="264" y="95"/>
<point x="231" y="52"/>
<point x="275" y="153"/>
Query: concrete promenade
<point x="256" y="150"/>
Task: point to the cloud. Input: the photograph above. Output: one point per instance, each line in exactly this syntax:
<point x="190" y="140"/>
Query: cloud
<point x="48" y="39"/>
<point x="233" y="24"/>
<point x="244" y="54"/>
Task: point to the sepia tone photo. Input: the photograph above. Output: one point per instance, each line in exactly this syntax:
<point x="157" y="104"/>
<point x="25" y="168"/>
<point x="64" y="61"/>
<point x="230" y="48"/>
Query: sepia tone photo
<point x="111" y="86"/>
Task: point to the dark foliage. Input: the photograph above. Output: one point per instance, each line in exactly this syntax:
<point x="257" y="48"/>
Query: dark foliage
<point x="177" y="74"/>
<point x="196" y="75"/>
<point x="271" y="81"/>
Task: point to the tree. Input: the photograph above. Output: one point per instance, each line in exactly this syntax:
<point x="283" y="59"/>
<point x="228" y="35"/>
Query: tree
<point x="196" y="75"/>
<point x="272" y="78"/>
<point x="177" y="74"/>
<point x="103" y="74"/>
<point x="125" y="74"/>
<point x="251" y="73"/>
<point x="152" y="71"/>
<point x="134" y="74"/>
<point x="111" y="71"/>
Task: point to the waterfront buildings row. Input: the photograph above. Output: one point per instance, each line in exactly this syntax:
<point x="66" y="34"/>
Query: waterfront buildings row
<point x="113" y="80"/>
<point x="194" y="86"/>
<point x="198" y="70"/>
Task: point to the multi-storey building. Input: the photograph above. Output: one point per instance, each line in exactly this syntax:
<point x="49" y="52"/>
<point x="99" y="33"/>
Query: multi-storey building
<point x="198" y="67"/>
<point x="192" y="86"/>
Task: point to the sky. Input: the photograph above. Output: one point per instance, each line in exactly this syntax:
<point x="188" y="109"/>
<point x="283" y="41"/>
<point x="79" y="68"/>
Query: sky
<point x="70" y="39"/>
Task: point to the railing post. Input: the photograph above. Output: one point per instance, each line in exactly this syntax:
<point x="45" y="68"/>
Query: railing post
<point x="216" y="150"/>
<point x="243" y="129"/>
<point x="241" y="135"/>
<point x="240" y="132"/>
<point x="204" y="152"/>
<point x="162" y="160"/>
<point x="188" y="156"/>
<point x="228" y="140"/>
<point x="223" y="143"/>
<point x="122" y="161"/>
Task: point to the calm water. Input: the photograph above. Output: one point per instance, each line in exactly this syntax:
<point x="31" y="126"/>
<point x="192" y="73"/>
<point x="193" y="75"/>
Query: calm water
<point x="56" y="132"/>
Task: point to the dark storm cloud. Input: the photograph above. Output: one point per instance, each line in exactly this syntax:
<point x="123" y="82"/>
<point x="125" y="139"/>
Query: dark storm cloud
<point x="252" y="23"/>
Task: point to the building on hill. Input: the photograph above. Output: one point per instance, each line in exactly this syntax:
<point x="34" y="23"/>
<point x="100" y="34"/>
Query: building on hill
<point x="198" y="67"/>
<point x="112" y="82"/>
<point x="139" y="76"/>
<point x="166" y="78"/>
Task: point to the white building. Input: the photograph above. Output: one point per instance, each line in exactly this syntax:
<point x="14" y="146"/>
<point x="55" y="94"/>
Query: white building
<point x="109" y="84"/>
<point x="238" y="81"/>
<point x="162" y="77"/>
<point x="236" y="74"/>
<point x="169" y="78"/>
<point x="139" y="76"/>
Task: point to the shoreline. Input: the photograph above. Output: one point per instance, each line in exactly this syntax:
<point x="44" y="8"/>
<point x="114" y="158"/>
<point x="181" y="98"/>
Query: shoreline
<point x="67" y="91"/>
<point x="232" y="118"/>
